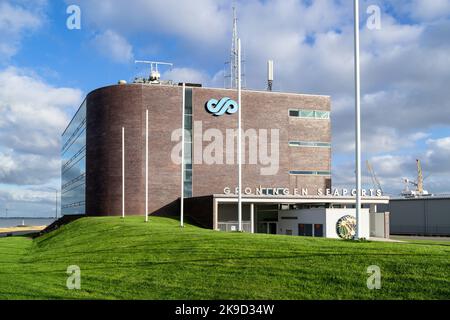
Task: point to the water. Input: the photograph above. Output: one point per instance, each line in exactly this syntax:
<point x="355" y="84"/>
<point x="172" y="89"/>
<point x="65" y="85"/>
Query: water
<point x="34" y="222"/>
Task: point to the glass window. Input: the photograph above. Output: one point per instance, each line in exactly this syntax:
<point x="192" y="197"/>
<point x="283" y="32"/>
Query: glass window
<point x="307" y="113"/>
<point x="309" y="144"/>
<point x="310" y="173"/>
<point x="322" y="115"/>
<point x="318" y="230"/>
<point x="188" y="175"/>
<point x="188" y="101"/>
<point x="305" y="230"/>
<point x="188" y="144"/>
<point x="73" y="169"/>
<point x="188" y="123"/>
<point x="324" y="144"/>
<point x="294" y="113"/>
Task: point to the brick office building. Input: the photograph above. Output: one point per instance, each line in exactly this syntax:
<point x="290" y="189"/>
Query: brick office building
<point x="297" y="127"/>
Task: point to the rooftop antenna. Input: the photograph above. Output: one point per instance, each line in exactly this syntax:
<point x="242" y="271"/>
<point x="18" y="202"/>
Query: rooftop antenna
<point x="234" y="51"/>
<point x="269" y="75"/>
<point x="234" y="58"/>
<point x="155" y="76"/>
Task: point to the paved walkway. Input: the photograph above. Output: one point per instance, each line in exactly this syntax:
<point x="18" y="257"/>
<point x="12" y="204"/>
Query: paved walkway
<point x="414" y="238"/>
<point x="385" y="240"/>
<point x="19" y="231"/>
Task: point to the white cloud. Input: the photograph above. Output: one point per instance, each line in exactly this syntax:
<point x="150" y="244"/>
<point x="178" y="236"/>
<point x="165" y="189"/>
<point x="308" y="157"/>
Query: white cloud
<point x="27" y="169"/>
<point x="187" y="75"/>
<point x="15" y="21"/>
<point x="33" y="115"/>
<point x="430" y="9"/>
<point x="199" y="20"/>
<point x="112" y="45"/>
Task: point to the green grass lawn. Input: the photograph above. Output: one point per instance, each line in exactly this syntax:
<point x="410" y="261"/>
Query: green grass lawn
<point x="129" y="259"/>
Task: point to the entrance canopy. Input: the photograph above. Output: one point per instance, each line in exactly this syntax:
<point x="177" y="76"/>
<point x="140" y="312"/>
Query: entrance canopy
<point x="253" y="200"/>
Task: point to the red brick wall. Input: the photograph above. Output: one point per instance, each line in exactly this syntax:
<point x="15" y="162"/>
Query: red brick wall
<point x="110" y="108"/>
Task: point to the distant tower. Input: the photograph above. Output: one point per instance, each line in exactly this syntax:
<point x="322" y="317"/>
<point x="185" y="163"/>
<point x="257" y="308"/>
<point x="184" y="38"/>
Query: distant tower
<point x="234" y="60"/>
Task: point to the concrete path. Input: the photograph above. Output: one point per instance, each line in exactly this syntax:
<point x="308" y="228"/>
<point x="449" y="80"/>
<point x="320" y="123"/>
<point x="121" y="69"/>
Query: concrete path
<point x="415" y="238"/>
<point x="385" y="240"/>
<point x="20" y="231"/>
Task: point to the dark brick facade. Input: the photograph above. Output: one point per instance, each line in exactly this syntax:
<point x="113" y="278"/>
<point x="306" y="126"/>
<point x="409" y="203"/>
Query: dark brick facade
<point x="111" y="108"/>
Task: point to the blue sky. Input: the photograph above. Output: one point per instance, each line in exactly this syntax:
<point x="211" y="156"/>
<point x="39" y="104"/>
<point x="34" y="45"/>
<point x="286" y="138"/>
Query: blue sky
<point x="46" y="70"/>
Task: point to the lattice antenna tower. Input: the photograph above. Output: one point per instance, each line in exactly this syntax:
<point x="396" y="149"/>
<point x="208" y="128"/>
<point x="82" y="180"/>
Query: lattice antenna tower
<point x="232" y="77"/>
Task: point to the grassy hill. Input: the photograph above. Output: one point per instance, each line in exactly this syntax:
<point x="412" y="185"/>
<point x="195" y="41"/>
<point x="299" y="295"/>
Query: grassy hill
<point x="129" y="259"/>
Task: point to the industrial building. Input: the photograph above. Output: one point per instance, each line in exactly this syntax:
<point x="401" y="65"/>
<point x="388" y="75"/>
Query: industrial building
<point x="105" y="153"/>
<point x="422" y="216"/>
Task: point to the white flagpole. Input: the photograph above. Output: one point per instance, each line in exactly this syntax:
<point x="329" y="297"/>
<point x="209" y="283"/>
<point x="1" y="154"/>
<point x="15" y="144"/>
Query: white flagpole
<point x="358" y="120"/>
<point x="146" y="165"/>
<point x="240" y="136"/>
<point x="123" y="172"/>
<point x="182" y="156"/>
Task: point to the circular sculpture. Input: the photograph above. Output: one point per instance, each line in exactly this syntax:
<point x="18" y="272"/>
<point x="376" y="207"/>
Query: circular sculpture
<point x="346" y="227"/>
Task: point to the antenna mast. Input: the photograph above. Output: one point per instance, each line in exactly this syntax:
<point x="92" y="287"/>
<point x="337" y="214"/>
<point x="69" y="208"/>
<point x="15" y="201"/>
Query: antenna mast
<point x="234" y="58"/>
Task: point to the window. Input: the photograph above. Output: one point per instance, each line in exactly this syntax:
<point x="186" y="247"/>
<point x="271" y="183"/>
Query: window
<point x="73" y="169"/>
<point x="321" y="115"/>
<point x="305" y="230"/>
<point x="318" y="230"/>
<point x="188" y="144"/>
<point x="310" y="173"/>
<point x="294" y="113"/>
<point x="309" y="114"/>
<point x="305" y="144"/>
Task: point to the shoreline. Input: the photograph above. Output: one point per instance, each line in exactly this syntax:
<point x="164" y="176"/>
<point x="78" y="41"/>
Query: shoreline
<point x="20" y="230"/>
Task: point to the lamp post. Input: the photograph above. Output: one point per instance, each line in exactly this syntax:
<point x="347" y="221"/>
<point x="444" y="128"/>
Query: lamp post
<point x="358" y="120"/>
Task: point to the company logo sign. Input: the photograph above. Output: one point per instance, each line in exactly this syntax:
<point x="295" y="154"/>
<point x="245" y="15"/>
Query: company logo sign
<point x="346" y="227"/>
<point x="219" y="108"/>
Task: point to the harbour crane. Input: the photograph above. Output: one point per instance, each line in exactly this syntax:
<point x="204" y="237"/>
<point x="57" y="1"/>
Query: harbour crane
<point x="419" y="184"/>
<point x="375" y="181"/>
<point x="419" y="177"/>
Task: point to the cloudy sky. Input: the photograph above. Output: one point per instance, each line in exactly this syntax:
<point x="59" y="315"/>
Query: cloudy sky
<point x="47" y="69"/>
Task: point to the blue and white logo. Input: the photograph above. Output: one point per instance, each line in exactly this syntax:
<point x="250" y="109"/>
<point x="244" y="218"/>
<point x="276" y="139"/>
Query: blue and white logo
<point x="219" y="108"/>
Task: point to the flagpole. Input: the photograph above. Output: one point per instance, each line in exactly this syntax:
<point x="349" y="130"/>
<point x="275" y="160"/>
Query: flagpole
<point x="358" y="120"/>
<point x="146" y="165"/>
<point x="239" y="136"/>
<point x="182" y="155"/>
<point x="123" y="172"/>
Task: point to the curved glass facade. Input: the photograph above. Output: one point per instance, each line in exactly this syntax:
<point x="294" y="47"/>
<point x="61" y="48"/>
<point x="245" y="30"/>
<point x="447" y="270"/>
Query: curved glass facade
<point x="73" y="170"/>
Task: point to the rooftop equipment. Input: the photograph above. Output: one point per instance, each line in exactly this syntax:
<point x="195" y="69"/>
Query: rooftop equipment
<point x="269" y="75"/>
<point x="155" y="76"/>
<point x="232" y="74"/>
